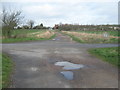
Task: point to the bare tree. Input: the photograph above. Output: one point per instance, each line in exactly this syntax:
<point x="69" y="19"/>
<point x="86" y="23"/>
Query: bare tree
<point x="9" y="21"/>
<point x="31" y="23"/>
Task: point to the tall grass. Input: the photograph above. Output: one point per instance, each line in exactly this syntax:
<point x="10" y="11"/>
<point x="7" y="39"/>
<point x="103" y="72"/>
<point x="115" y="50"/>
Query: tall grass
<point x="25" y="31"/>
<point x="113" y="33"/>
<point x="92" y="37"/>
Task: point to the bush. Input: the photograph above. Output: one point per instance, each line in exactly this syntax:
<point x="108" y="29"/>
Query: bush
<point x="25" y="27"/>
<point x="19" y="27"/>
<point x="39" y="27"/>
<point x="6" y="31"/>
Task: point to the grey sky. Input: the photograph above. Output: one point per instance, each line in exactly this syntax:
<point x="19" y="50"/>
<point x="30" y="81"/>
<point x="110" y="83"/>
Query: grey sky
<point x="50" y="12"/>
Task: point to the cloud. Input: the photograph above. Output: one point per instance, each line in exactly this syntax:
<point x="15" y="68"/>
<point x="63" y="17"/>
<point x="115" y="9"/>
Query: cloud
<point x="59" y="1"/>
<point x="42" y="10"/>
<point x="51" y="12"/>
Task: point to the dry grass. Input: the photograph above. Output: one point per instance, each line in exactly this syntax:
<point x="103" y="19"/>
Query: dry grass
<point x="34" y="33"/>
<point x="91" y="38"/>
<point x="30" y="36"/>
<point x="46" y="34"/>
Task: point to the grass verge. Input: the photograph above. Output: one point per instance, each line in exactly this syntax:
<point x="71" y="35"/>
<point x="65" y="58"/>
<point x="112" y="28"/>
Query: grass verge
<point x="7" y="66"/>
<point x="113" y="33"/>
<point x="75" y="38"/>
<point x="109" y="55"/>
<point x="91" y="38"/>
<point x="14" y="40"/>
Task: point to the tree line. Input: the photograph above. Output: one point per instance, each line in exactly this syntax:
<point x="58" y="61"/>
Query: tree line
<point x="12" y="20"/>
<point x="71" y="27"/>
<point x="30" y="25"/>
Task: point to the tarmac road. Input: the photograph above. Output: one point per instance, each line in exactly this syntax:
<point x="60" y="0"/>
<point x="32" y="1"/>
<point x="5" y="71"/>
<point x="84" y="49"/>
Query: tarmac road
<point x="34" y="65"/>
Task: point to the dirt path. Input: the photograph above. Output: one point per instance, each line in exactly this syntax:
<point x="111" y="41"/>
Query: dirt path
<point x="34" y="65"/>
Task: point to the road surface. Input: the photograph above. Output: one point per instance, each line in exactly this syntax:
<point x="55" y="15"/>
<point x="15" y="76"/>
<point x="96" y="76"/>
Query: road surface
<point x="35" y="65"/>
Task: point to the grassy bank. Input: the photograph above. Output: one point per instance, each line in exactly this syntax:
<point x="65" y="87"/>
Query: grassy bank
<point x="87" y="37"/>
<point x="14" y="40"/>
<point x="76" y="38"/>
<point x="29" y="35"/>
<point x="25" y="31"/>
<point x="109" y="55"/>
<point x="113" y="33"/>
<point x="7" y="66"/>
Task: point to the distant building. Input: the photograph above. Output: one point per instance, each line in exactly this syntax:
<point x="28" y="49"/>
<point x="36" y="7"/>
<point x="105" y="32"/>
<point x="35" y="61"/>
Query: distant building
<point x="56" y="26"/>
<point x="116" y="28"/>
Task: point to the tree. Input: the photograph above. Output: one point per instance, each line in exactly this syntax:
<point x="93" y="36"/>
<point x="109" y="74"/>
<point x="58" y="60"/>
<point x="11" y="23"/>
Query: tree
<point x="9" y="21"/>
<point x="41" y="25"/>
<point x="25" y="27"/>
<point x="31" y="23"/>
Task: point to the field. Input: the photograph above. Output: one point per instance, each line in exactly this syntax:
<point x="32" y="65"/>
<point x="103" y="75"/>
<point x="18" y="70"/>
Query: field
<point x="113" y="33"/>
<point x="28" y="35"/>
<point x="93" y="36"/>
<point x="7" y="66"/>
<point x="110" y="55"/>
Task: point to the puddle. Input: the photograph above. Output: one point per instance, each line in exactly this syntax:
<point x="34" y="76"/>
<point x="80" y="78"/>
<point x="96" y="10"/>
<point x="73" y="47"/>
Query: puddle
<point x="67" y="74"/>
<point x="69" y="66"/>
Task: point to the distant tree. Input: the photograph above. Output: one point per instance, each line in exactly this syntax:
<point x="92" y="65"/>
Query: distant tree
<point x="19" y="27"/>
<point x="25" y="27"/>
<point x="36" y="27"/>
<point x="41" y="25"/>
<point x="10" y="20"/>
<point x="31" y="23"/>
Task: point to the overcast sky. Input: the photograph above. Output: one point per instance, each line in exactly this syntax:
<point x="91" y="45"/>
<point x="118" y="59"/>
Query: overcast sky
<point x="50" y="12"/>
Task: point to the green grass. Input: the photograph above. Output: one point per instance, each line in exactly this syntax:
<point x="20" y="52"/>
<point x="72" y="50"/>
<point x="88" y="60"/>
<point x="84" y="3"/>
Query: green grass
<point x="23" y="36"/>
<point x="23" y="33"/>
<point x="52" y="37"/>
<point x="75" y="38"/>
<point x="109" y="55"/>
<point x="113" y="33"/>
<point x="87" y="39"/>
<point x="14" y="40"/>
<point x="7" y="66"/>
<point x="26" y="31"/>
